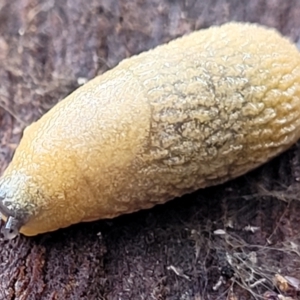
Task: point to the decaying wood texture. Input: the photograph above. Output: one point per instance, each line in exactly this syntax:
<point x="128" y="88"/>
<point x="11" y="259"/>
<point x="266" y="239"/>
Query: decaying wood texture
<point x="170" y="252"/>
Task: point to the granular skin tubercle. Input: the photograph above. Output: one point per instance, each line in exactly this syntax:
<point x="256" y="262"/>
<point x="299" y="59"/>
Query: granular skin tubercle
<point x="196" y="112"/>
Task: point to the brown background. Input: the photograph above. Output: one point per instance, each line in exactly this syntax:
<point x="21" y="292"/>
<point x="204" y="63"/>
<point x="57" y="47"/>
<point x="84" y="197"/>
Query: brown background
<point x="171" y="251"/>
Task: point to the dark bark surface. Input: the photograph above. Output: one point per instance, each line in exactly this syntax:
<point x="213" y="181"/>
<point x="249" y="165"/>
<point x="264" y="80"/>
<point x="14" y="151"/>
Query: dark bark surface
<point x="172" y="251"/>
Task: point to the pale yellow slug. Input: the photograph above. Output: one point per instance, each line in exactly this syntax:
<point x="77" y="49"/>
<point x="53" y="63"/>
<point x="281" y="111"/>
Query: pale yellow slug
<point x="195" y="112"/>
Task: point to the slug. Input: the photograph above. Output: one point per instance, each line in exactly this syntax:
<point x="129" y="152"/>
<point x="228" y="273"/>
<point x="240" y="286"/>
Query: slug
<point x="195" y="112"/>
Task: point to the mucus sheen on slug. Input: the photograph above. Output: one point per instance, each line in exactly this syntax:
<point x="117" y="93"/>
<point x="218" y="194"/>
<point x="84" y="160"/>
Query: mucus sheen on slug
<point x="195" y="112"/>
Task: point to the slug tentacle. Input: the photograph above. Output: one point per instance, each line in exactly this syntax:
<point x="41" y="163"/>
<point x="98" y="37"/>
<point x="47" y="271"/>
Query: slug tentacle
<point x="12" y="224"/>
<point x="11" y="228"/>
<point x="193" y="113"/>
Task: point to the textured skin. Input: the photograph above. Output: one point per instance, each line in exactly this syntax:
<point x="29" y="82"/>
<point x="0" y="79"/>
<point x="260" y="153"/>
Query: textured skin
<point x="196" y="112"/>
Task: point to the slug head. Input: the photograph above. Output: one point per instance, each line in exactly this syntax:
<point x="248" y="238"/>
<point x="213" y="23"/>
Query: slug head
<point x="16" y="208"/>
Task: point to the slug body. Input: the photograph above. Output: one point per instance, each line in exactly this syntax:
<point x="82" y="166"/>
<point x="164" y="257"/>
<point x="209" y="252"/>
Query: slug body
<point x="193" y="113"/>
